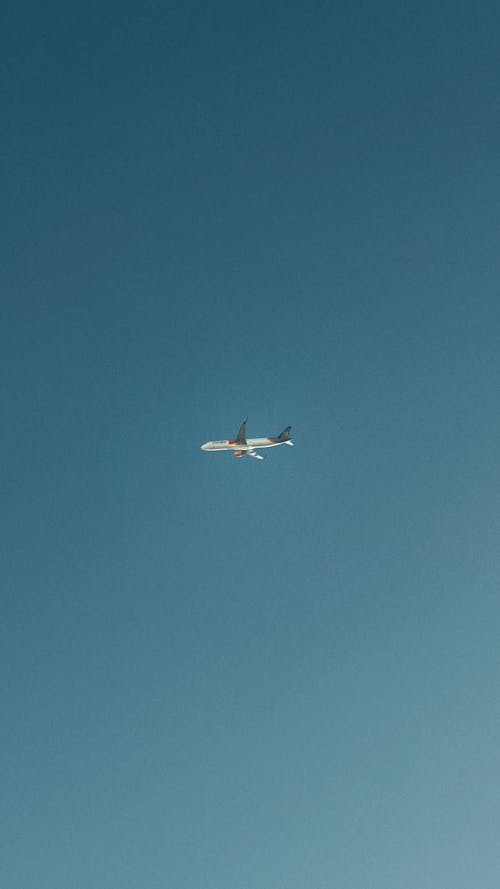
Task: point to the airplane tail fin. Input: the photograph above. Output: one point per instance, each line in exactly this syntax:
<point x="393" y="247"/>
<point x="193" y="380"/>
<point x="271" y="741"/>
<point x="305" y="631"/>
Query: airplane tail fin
<point x="285" y="436"/>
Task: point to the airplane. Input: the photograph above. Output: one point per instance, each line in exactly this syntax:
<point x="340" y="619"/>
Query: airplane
<point x="241" y="446"/>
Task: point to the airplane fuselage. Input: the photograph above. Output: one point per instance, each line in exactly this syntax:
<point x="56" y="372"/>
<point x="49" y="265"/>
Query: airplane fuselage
<point x="241" y="446"/>
<point x="232" y="445"/>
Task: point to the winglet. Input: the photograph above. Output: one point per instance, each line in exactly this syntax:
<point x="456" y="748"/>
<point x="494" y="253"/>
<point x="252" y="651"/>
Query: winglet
<point x="241" y="438"/>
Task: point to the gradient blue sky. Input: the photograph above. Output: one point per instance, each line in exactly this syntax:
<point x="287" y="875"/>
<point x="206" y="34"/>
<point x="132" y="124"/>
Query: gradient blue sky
<point x="219" y="673"/>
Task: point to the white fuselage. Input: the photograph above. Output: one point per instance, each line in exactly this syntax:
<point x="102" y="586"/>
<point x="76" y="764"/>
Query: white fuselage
<point x="250" y="445"/>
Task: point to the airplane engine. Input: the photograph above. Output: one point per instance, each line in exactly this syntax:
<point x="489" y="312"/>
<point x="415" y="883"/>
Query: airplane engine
<point x="239" y="453"/>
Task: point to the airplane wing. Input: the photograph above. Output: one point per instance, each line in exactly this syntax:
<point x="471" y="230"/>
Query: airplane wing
<point x="241" y="438"/>
<point x="257" y="456"/>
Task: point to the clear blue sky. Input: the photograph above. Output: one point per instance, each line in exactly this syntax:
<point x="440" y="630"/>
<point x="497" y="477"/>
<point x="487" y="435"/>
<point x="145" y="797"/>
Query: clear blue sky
<point x="220" y="673"/>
